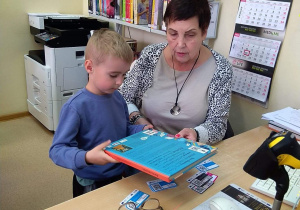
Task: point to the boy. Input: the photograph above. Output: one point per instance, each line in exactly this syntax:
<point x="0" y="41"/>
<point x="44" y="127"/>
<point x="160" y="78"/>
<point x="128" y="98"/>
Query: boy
<point x="96" y="116"/>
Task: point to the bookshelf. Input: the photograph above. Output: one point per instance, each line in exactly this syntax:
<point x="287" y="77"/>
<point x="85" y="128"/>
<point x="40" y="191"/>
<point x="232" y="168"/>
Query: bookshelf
<point x="123" y="23"/>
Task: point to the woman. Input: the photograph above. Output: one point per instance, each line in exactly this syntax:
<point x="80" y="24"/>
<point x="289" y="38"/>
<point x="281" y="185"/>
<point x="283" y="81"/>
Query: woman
<point x="182" y="87"/>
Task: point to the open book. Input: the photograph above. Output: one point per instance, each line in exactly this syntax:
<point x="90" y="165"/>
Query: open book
<point x="159" y="154"/>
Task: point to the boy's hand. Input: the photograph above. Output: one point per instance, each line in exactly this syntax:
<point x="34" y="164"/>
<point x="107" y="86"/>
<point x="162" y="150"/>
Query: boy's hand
<point x="98" y="156"/>
<point x="148" y="127"/>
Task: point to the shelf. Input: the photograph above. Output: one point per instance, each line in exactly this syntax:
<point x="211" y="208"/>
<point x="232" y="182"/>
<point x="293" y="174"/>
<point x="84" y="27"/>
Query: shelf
<point x="140" y="27"/>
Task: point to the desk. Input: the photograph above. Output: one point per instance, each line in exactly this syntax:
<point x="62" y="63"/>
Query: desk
<point x="231" y="157"/>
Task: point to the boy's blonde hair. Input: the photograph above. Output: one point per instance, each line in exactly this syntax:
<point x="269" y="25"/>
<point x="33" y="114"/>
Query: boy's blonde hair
<point x="106" y="42"/>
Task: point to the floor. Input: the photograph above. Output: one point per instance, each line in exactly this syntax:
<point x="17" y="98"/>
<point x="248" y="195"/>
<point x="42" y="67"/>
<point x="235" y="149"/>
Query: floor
<point x="28" y="178"/>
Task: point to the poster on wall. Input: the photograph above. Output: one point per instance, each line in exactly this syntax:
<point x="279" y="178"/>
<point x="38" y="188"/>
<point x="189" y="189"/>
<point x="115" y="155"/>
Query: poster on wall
<point x="257" y="39"/>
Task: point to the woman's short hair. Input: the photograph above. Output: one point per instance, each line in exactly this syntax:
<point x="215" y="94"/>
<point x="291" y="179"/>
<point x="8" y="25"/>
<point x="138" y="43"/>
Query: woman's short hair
<point x="106" y="42"/>
<point x="185" y="9"/>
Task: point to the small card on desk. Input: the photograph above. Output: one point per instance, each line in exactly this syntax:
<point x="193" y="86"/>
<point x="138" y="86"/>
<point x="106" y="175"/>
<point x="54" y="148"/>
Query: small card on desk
<point x="158" y="185"/>
<point x="136" y="196"/>
<point x="201" y="181"/>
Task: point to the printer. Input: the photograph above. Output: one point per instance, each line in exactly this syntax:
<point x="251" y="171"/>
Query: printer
<point x="57" y="72"/>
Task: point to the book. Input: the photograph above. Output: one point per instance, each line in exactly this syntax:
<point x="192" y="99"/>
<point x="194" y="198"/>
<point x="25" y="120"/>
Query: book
<point x="97" y="7"/>
<point x="140" y="12"/>
<point x="159" y="154"/>
<point x="240" y="197"/>
<point x="150" y="13"/>
<point x="128" y="11"/>
<point x="110" y="8"/>
<point x="100" y="7"/>
<point x="124" y="10"/>
<point x="104" y="8"/>
<point x="151" y="19"/>
<point x="278" y="128"/>
<point x="118" y="9"/>
<point x="163" y="25"/>
<point x="158" y="14"/>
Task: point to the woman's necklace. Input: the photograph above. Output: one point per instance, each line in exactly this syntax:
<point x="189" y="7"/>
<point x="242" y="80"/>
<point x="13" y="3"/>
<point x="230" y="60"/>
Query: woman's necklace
<point x="176" y="108"/>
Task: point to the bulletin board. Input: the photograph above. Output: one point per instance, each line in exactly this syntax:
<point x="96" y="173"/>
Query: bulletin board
<point x="257" y="39"/>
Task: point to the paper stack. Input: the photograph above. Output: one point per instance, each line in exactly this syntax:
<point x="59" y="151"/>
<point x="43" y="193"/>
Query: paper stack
<point x="284" y="119"/>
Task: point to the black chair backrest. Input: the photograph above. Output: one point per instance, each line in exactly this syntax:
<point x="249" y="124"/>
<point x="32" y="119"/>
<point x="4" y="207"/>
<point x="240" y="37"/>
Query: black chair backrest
<point x="229" y="132"/>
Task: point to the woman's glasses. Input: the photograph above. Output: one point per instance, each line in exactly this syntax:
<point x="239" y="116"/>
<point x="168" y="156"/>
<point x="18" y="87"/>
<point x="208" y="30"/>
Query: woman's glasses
<point x="150" y="204"/>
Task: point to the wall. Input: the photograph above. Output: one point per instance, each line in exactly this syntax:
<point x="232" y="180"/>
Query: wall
<point x="16" y="41"/>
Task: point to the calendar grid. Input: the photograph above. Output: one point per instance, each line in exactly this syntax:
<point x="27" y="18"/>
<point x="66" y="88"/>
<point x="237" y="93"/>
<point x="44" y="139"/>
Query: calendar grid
<point x="254" y="52"/>
<point x="266" y="14"/>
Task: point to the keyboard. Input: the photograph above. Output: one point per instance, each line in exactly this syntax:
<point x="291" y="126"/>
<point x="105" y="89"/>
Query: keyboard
<point x="267" y="187"/>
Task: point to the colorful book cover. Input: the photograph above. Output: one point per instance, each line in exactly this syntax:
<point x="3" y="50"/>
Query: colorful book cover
<point x="110" y="8"/>
<point x="118" y="9"/>
<point x="150" y="13"/>
<point x="124" y="10"/>
<point x="100" y="7"/>
<point x="159" y="154"/>
<point x="97" y="7"/>
<point x="140" y="12"/>
<point x="128" y="11"/>
<point x="131" y="11"/>
<point x="104" y="8"/>
<point x="158" y="13"/>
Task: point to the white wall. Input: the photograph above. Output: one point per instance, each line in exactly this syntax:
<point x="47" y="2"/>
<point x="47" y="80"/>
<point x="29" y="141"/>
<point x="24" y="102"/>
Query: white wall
<point x="16" y="41"/>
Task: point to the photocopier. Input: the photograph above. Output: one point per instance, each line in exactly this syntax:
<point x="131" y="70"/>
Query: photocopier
<point x="57" y="72"/>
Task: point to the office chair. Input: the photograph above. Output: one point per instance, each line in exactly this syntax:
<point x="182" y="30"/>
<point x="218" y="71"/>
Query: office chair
<point x="229" y="132"/>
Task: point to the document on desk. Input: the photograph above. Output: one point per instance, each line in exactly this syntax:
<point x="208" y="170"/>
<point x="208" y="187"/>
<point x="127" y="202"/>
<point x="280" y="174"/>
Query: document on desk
<point x="159" y="154"/>
<point x="287" y="118"/>
<point x="240" y="197"/>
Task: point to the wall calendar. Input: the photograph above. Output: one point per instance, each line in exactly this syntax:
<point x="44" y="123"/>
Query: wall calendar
<point x="259" y="32"/>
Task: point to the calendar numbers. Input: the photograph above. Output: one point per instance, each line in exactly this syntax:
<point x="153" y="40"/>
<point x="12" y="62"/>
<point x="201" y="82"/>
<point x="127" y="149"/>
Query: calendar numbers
<point x="255" y="49"/>
<point x="262" y="13"/>
<point x="250" y="84"/>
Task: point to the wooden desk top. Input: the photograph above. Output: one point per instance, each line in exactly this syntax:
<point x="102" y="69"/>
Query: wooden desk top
<point x="231" y="157"/>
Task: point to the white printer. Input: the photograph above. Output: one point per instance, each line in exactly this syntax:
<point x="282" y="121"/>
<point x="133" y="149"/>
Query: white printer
<point x="57" y="72"/>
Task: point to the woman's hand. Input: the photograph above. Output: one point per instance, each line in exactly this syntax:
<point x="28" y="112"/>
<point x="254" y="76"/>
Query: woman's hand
<point x="187" y="133"/>
<point x="98" y="156"/>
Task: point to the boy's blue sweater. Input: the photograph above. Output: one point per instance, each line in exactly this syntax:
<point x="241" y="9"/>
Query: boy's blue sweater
<point x="87" y="120"/>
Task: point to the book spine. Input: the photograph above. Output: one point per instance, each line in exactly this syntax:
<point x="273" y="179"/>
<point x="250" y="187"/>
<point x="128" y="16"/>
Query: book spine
<point x="163" y="25"/>
<point x="127" y="10"/>
<point x="150" y="13"/>
<point x="157" y="22"/>
<point x="124" y="10"/>
<point x="118" y="9"/>
<point x="94" y="7"/>
<point x="135" y="11"/>
<point x="139" y="167"/>
<point x="100" y="7"/>
<point x="104" y="8"/>
<point x="131" y="11"/>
